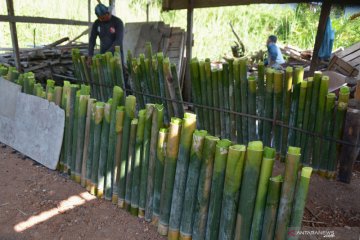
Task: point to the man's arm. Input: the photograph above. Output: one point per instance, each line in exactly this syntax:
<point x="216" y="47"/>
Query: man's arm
<point x="92" y="39"/>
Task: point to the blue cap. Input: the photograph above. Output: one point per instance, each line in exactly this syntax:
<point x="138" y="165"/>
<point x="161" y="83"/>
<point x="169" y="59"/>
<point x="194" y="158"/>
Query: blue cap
<point x="101" y="10"/>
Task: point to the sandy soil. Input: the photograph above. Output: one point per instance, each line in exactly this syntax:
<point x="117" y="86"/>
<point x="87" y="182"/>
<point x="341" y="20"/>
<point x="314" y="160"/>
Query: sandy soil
<point x="37" y="203"/>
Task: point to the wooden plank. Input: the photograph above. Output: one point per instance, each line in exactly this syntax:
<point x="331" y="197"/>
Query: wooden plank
<point x="324" y="14"/>
<point x="27" y="19"/>
<point x="355" y="63"/>
<point x="349" y="154"/>
<point x="13" y="32"/>
<point x="349" y="50"/>
<point x="352" y="56"/>
<point x="177" y="4"/>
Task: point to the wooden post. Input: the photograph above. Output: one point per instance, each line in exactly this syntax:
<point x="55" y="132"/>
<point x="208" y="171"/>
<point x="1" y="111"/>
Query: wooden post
<point x="14" y="39"/>
<point x="348" y="153"/>
<point x="357" y="91"/>
<point x="89" y="17"/>
<point x="147" y="10"/>
<point x="325" y="12"/>
<point x="189" y="42"/>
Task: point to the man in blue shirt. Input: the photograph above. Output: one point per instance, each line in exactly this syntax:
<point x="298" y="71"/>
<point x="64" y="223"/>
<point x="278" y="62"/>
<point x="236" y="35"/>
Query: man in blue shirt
<point x="275" y="58"/>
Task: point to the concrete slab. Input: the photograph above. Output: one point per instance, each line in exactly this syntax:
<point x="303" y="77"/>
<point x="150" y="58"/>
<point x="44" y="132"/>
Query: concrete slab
<point x="34" y="126"/>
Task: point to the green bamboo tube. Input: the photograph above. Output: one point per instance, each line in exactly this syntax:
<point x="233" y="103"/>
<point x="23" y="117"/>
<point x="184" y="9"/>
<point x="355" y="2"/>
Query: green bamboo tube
<point x="69" y="126"/>
<point x="162" y="89"/>
<point x="324" y="88"/>
<point x="298" y="78"/>
<point x="209" y="96"/>
<point x="172" y="85"/>
<point x="168" y="96"/>
<point x="221" y="105"/>
<point x="252" y="108"/>
<point x="135" y="187"/>
<point x="95" y="78"/>
<point x="130" y="105"/>
<point x="344" y="94"/>
<point x="261" y="95"/>
<point x="232" y="106"/>
<point x="135" y="77"/>
<point x="328" y="130"/>
<point x="233" y="175"/>
<point x="57" y="95"/>
<point x="99" y="115"/>
<point x="119" y="75"/>
<point x="119" y="127"/>
<point x="192" y="183"/>
<point x="301" y="112"/>
<point x="3" y="70"/>
<point x="159" y="173"/>
<point x="237" y="93"/>
<point x="38" y="89"/>
<point x="306" y="123"/>
<point x="157" y="124"/>
<point x="82" y="111"/>
<point x="217" y="185"/>
<point x="286" y="110"/>
<point x="145" y="158"/>
<point x="75" y="54"/>
<point x="178" y="93"/>
<point x="196" y="89"/>
<point x="271" y="208"/>
<point x="248" y="190"/>
<point x="109" y="174"/>
<point x="100" y="77"/>
<point x="278" y="106"/>
<point x="150" y="78"/>
<point x="103" y="149"/>
<point x="269" y="92"/>
<point x="287" y="192"/>
<point x="29" y="82"/>
<point x="204" y="185"/>
<point x="337" y="133"/>
<point x="227" y="100"/>
<point x="50" y="94"/>
<point x="49" y="84"/>
<point x="244" y="95"/>
<point x="65" y="94"/>
<point x="72" y="164"/>
<point x="182" y="165"/>
<point x="89" y="145"/>
<point x="216" y="104"/>
<point x="312" y="118"/>
<point x="12" y="74"/>
<point x="171" y="156"/>
<point x="107" y="68"/>
<point x="300" y="198"/>
<point x="145" y="82"/>
<point x="88" y="141"/>
<point x="156" y="83"/>
<point x="204" y="100"/>
<point x="265" y="174"/>
<point x="130" y="163"/>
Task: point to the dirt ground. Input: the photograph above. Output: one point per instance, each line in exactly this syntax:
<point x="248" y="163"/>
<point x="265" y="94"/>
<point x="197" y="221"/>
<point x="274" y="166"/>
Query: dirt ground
<point x="37" y="203"/>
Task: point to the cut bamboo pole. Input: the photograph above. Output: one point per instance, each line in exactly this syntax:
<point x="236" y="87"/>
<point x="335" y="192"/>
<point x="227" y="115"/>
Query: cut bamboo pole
<point x="328" y="130"/>
<point x="49" y="95"/>
<point x="58" y="95"/>
<point x="278" y="106"/>
<point x="103" y="149"/>
<point x="178" y="94"/>
<point x="324" y="88"/>
<point x="344" y="94"/>
<point x="298" y="78"/>
<point x="265" y="174"/>
<point x="130" y="163"/>
<point x="300" y="199"/>
<point x="261" y="96"/>
<point x="192" y="184"/>
<point x="65" y="95"/>
<point x="145" y="158"/>
<point x="135" y="191"/>
<point x="162" y="88"/>
<point x="286" y="110"/>
<point x="99" y="115"/>
<point x="221" y="102"/>
<point x="89" y="130"/>
<point x="287" y="192"/>
<point x="209" y="92"/>
<point x="130" y="105"/>
<point x="252" y="108"/>
<point x="231" y="90"/>
<point x="217" y="185"/>
<point x="271" y="208"/>
<point x="306" y="123"/>
<point x="233" y="176"/>
<point x="119" y="128"/>
<point x="159" y="173"/>
<point x="268" y="106"/>
<point x="216" y="104"/>
<point x="237" y="91"/>
<point x="182" y="165"/>
<point x="204" y="185"/>
<point x="244" y="95"/>
<point x="157" y="124"/>
<point x="301" y="112"/>
<point x="248" y="190"/>
<point x="204" y="100"/>
<point x="196" y="89"/>
<point x="72" y="163"/>
<point x="172" y="85"/>
<point x="109" y="173"/>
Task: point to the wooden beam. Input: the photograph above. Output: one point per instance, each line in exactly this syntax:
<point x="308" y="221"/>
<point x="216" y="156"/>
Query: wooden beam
<point x="325" y="12"/>
<point x="189" y="42"/>
<point x="27" y="19"/>
<point x="177" y="4"/>
<point x="348" y="153"/>
<point x="14" y="39"/>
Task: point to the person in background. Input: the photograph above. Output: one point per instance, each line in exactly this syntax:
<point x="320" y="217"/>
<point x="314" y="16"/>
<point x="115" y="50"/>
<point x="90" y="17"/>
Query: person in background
<point x="110" y="30"/>
<point x="275" y="58"/>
